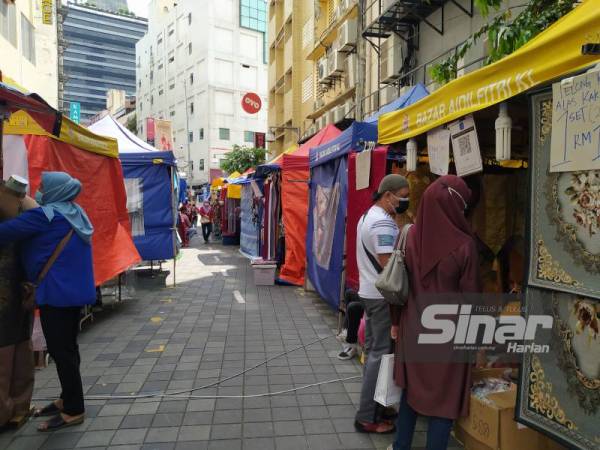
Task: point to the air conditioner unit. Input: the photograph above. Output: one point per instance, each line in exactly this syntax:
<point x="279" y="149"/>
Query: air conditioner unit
<point x="347" y="36"/>
<point x="322" y="73"/>
<point x="391" y="59"/>
<point x="338" y="113"/>
<point x="350" y="71"/>
<point x="335" y="63"/>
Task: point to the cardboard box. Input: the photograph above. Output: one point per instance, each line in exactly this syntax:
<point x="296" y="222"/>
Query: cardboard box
<point x="491" y="425"/>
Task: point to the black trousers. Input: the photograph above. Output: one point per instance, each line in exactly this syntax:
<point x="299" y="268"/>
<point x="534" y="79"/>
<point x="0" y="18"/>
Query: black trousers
<point x="206" y="230"/>
<point x="354" y="312"/>
<point x="61" y="326"/>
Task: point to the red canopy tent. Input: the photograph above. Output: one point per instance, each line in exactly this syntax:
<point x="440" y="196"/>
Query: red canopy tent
<point x="295" y="175"/>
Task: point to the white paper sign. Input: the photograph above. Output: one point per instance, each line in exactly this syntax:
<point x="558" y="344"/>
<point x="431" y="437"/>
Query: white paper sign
<point x="363" y="169"/>
<point x="438" y="149"/>
<point x="465" y="147"/>
<point x="575" y="143"/>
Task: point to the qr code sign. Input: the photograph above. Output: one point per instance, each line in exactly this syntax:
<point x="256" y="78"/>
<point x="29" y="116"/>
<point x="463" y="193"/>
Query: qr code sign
<point x="464" y="145"/>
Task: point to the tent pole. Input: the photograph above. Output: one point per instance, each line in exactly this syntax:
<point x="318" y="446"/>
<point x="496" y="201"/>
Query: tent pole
<point x="174" y="229"/>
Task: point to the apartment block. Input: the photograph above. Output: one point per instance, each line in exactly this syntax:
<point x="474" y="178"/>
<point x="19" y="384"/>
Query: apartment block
<point x="194" y="66"/>
<point x="28" y="45"/>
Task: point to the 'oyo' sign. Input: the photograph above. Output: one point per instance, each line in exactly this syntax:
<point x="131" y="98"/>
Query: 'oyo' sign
<point x="251" y="103"/>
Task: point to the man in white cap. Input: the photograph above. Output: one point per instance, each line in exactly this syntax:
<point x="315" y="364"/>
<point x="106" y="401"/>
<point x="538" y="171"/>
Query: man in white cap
<point x="16" y="357"/>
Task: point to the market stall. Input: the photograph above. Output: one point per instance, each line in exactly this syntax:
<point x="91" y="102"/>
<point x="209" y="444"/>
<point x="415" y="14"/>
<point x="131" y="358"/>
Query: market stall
<point x="294" y="204"/>
<point x="93" y="160"/>
<point x="150" y="182"/>
<point x="545" y="133"/>
<point x="325" y="235"/>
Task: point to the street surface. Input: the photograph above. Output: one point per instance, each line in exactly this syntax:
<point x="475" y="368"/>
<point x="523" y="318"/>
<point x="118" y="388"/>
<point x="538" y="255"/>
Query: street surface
<point x="213" y="325"/>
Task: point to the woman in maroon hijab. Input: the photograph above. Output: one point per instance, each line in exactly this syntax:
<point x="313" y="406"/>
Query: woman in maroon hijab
<point x="442" y="258"/>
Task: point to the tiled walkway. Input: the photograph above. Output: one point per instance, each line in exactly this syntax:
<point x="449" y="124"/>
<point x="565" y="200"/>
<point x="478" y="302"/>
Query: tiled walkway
<point x="213" y="325"/>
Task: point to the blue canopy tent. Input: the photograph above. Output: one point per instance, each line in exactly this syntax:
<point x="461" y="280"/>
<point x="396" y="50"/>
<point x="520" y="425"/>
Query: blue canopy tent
<point x="152" y="185"/>
<point x="249" y="219"/>
<point x="413" y="95"/>
<point x="325" y="234"/>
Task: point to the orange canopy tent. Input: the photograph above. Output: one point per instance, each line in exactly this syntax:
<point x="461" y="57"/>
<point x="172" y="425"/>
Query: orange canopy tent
<point x="93" y="160"/>
<point x="295" y="175"/>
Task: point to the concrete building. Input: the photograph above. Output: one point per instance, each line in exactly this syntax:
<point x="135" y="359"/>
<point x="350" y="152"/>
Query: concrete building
<point x="334" y="60"/>
<point x="28" y="45"/>
<point x="194" y="66"/>
<point x="109" y="5"/>
<point x="99" y="55"/>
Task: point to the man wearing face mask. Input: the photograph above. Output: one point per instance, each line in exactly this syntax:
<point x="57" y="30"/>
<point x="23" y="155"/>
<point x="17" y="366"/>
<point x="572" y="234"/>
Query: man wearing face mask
<point x="375" y="239"/>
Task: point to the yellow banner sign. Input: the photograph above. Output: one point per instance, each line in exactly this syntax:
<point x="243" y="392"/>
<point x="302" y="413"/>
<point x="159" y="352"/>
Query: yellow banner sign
<point x="47" y="12"/>
<point x="553" y="53"/>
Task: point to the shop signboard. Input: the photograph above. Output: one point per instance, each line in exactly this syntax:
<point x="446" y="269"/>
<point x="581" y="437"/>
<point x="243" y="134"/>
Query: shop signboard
<point x="251" y="103"/>
<point x="75" y="111"/>
<point x="47" y="12"/>
<point x="438" y="149"/>
<point x="150" y="131"/>
<point x="163" y="134"/>
<point x="465" y="147"/>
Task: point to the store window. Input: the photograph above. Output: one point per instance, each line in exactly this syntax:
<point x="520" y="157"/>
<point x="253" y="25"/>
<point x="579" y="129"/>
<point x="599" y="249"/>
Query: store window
<point x="134" y="188"/>
<point x="249" y="136"/>
<point x="224" y="134"/>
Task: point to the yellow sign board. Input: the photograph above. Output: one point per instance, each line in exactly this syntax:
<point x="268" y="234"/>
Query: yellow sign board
<point x="47" y="12"/>
<point x="554" y="53"/>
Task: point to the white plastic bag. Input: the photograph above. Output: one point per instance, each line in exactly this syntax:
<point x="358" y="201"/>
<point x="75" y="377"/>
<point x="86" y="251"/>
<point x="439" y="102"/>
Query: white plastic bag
<point x="37" y="336"/>
<point x="386" y="391"/>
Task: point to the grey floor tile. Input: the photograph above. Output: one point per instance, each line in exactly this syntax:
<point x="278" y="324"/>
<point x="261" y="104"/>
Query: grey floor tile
<point x="162" y="434"/>
<point x="258" y="444"/>
<point x="194" y="433"/>
<point x="96" y="438"/>
<point x="318" y="426"/>
<point x="291" y="443"/>
<point x="61" y="441"/>
<point x="105" y="423"/>
<point x="288" y="428"/>
<point x="227" y="416"/>
<point x="132" y="436"/>
<point x="158" y="446"/>
<point x="137" y="421"/>
<point x="226" y="431"/>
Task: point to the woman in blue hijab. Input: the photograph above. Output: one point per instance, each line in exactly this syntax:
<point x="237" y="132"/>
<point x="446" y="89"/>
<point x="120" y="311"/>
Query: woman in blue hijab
<point x="67" y="286"/>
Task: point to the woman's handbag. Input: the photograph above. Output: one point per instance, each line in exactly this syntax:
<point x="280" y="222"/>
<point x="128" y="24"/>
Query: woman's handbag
<point x="392" y="282"/>
<point x="28" y="288"/>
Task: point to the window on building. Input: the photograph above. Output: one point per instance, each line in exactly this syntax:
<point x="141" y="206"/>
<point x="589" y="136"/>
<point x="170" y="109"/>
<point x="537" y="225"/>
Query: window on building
<point x="191" y="136"/>
<point x="172" y="113"/>
<point x="201" y="165"/>
<point x="248" y="136"/>
<point x="27" y="39"/>
<point x="172" y="86"/>
<point x="171" y="31"/>
<point x="224" y="134"/>
<point x="171" y="58"/>
<point x="139" y="83"/>
<point x="190" y="48"/>
<point x="151" y="75"/>
<point x="160" y="66"/>
<point x="191" y="78"/>
<point x="192" y="108"/>
<point x="189" y="18"/>
<point x="8" y="22"/>
<point x="160" y="40"/>
<point x="151" y="100"/>
<point x="201" y="134"/>
<point x="253" y="15"/>
<point x="160" y="92"/>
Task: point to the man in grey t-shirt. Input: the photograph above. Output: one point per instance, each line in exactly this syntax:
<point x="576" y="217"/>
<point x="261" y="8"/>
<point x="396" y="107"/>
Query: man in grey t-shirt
<point x="375" y="239"/>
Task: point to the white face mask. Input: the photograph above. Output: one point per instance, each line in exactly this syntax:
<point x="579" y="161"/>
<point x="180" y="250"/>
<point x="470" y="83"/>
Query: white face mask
<point x="455" y="192"/>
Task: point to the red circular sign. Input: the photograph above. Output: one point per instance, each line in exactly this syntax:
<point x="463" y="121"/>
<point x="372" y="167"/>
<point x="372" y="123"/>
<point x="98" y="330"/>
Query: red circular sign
<point x="251" y="103"/>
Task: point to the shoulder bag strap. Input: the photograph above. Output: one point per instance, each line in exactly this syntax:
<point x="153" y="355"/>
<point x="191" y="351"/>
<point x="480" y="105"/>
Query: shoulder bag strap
<point x="373" y="260"/>
<point x="402" y="238"/>
<point x="57" y="251"/>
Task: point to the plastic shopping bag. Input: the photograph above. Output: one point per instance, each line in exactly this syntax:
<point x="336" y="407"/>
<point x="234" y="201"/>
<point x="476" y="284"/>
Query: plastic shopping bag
<point x="386" y="391"/>
<point x="37" y="337"/>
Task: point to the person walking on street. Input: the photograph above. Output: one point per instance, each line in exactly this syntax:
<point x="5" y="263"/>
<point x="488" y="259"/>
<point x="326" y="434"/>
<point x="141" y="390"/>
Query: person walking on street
<point x="375" y="239"/>
<point x="16" y="356"/>
<point x="441" y="259"/>
<point x="55" y="238"/>
<point x="206" y="217"/>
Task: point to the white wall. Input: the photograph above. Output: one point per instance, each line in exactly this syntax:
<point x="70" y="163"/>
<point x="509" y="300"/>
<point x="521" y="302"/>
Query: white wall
<point x="220" y="52"/>
<point x="41" y="76"/>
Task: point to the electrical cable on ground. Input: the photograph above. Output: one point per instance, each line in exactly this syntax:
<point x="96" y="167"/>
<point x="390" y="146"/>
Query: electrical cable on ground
<point x="179" y="395"/>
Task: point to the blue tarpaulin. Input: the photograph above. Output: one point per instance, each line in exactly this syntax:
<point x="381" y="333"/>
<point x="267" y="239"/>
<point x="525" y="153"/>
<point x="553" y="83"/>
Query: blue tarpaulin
<point x="149" y="181"/>
<point x="250" y="225"/>
<point x="327" y="210"/>
<point x="413" y="95"/>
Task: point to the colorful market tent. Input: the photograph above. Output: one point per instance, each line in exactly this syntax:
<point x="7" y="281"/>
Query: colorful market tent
<point x="359" y="201"/>
<point x="149" y="181"/>
<point x="294" y="202"/>
<point x="28" y="150"/>
<point x="413" y="95"/>
<point x="251" y="211"/>
<point x="325" y="234"/>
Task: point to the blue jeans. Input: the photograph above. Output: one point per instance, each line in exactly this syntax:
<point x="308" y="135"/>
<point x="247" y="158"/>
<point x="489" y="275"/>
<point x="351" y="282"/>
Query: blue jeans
<point x="438" y="429"/>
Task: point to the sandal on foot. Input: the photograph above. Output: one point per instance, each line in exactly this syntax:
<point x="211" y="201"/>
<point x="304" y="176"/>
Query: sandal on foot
<point x="375" y="428"/>
<point x="57" y="422"/>
<point x="49" y="410"/>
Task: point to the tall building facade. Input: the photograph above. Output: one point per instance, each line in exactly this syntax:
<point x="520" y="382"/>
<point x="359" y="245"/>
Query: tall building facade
<point x="99" y="54"/>
<point x="28" y="45"/>
<point x="108" y="5"/>
<point x="194" y="67"/>
<point x="312" y="67"/>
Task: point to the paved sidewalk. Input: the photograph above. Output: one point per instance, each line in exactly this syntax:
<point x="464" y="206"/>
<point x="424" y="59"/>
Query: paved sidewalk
<point x="213" y="325"/>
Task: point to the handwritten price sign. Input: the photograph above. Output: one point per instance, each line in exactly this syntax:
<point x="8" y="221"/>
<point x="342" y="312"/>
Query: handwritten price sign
<point x="575" y="142"/>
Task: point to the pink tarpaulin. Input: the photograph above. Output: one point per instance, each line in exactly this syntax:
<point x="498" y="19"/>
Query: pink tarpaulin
<point x="358" y="203"/>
